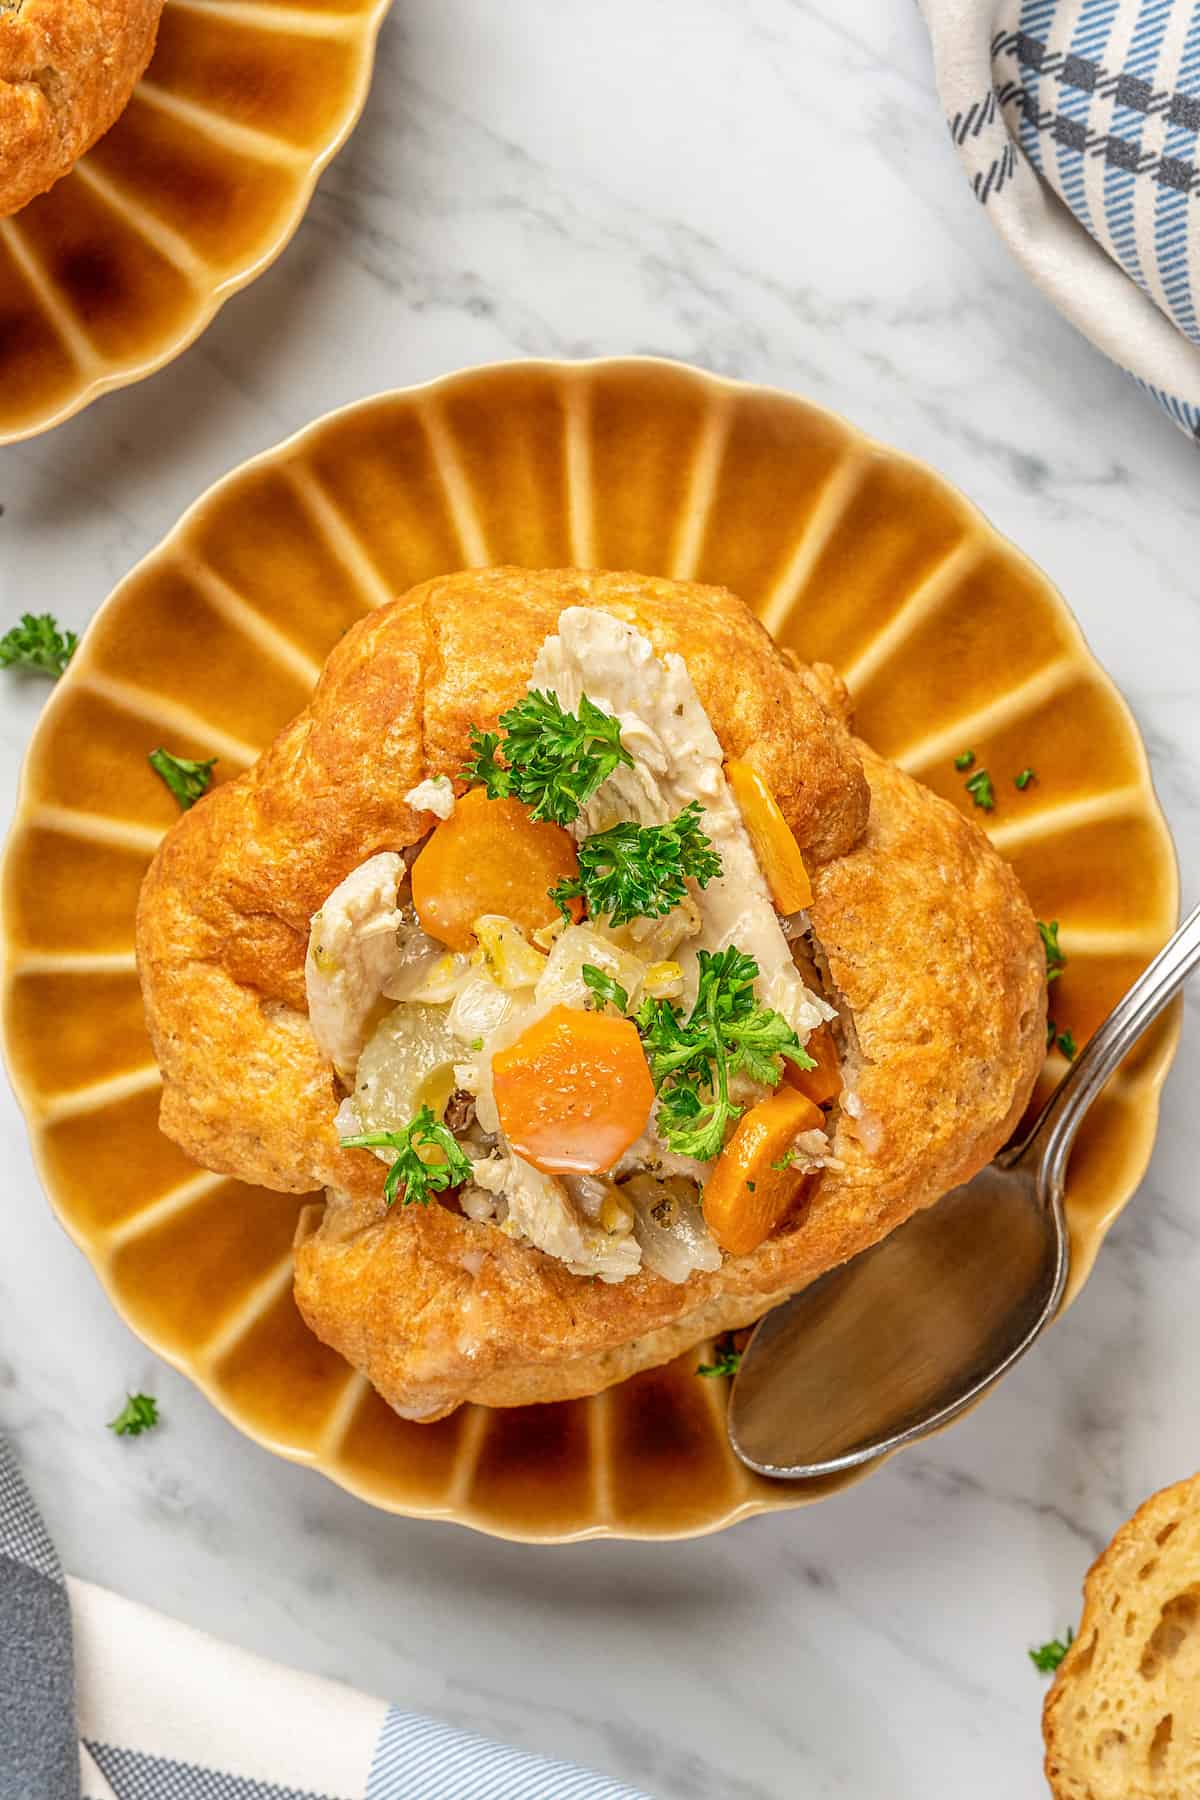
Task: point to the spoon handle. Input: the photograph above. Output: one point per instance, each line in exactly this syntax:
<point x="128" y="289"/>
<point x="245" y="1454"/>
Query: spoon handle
<point x="1049" y="1143"/>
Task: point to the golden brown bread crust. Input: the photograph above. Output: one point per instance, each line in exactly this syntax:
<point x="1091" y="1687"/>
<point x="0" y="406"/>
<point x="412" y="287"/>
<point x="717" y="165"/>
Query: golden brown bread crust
<point x="67" y="69"/>
<point x="928" y="938"/>
<point x="1123" y="1715"/>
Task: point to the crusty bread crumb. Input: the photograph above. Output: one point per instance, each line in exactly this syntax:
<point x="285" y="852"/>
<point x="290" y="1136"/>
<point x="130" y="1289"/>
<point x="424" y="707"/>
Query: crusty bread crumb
<point x="1122" y="1721"/>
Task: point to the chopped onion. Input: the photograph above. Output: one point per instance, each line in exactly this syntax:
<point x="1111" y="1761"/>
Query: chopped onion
<point x="669" y="1226"/>
<point x="479" y="1008"/>
<point x="562" y="983"/>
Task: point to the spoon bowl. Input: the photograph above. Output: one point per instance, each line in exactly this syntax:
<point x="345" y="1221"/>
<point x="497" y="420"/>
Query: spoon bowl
<point x="894" y="1344"/>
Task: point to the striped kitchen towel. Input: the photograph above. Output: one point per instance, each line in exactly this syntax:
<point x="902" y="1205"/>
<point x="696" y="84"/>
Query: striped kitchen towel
<point x="142" y="1708"/>
<point x="1079" y="124"/>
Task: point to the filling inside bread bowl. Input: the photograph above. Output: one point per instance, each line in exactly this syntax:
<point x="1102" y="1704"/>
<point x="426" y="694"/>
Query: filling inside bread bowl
<point x="606" y="986"/>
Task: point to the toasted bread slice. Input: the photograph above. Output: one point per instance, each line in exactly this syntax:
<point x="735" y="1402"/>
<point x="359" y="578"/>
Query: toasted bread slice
<point x="1122" y="1721"/>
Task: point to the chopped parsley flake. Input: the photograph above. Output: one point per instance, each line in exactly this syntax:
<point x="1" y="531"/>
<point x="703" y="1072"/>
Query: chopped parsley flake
<point x="139" y="1413"/>
<point x="1047" y="1657"/>
<point x="981" y="790"/>
<point x="186" y="780"/>
<point x="1023" y="780"/>
<point x="421" y="1178"/>
<point x="1056" y="960"/>
<point x="607" y="991"/>
<point x="963" y="760"/>
<point x="1068" y="1046"/>
<point x="38" y="645"/>
<point x="786" y="1160"/>
<point x="728" y="1360"/>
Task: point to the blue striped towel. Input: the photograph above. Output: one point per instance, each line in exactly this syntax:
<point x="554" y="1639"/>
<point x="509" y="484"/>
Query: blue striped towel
<point x="104" y="1700"/>
<point x="1079" y="124"/>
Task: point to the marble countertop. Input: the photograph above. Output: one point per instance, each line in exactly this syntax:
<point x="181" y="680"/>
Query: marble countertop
<point x="764" y="187"/>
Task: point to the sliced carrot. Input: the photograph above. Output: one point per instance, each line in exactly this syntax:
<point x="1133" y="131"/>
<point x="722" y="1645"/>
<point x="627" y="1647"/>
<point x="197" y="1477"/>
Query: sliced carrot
<point x="823" y="1083"/>
<point x="574" y="1091"/>
<point x="777" y="851"/>
<point x="748" y="1193"/>
<point x="489" y="856"/>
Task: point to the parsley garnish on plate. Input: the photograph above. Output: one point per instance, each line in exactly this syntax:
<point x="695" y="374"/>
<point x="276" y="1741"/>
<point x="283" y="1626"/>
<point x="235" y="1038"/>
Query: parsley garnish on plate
<point x="728" y="1361"/>
<point x="607" y="991"/>
<point x="1068" y="1046"/>
<point x="187" y="780"/>
<point x="38" y="644"/>
<point x="981" y="790"/>
<point x="421" y="1179"/>
<point x="693" y="1060"/>
<point x="636" y="871"/>
<point x="786" y="1160"/>
<point x="963" y="760"/>
<point x="1056" y="960"/>
<point x="1023" y="780"/>
<point x="553" y="760"/>
<point x="1047" y="1657"/>
<point x="139" y="1413"/>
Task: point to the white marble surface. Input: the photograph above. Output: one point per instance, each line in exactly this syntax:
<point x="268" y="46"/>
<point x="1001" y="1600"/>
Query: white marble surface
<point x="764" y="187"/>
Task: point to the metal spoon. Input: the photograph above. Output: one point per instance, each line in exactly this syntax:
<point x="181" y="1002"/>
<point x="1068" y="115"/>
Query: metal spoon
<point x="897" y="1342"/>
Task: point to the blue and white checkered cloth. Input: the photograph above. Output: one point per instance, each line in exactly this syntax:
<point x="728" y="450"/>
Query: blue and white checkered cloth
<point x="1079" y="124"/>
<point x="104" y="1700"/>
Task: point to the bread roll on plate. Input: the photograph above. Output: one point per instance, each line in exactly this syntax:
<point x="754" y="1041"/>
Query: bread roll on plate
<point x="352" y="932"/>
<point x="67" y="69"/>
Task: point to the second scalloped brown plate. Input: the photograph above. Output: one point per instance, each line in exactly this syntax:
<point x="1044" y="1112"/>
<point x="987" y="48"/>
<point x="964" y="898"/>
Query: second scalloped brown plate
<point x="947" y="636"/>
<point x="194" y="191"/>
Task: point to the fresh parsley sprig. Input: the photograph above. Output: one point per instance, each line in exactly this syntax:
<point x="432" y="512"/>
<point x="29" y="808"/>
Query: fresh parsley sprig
<point x="693" y="1060"/>
<point x="636" y="871"/>
<point x="421" y="1179"/>
<point x="139" y="1413"/>
<point x="187" y="780"/>
<point x="1047" y="1657"/>
<point x="607" y="992"/>
<point x="553" y="760"/>
<point x="38" y="644"/>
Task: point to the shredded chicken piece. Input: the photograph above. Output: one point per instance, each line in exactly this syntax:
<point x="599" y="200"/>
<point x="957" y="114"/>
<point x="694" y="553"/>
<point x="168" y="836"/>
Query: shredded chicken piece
<point x="353" y="950"/>
<point x="540" y="1209"/>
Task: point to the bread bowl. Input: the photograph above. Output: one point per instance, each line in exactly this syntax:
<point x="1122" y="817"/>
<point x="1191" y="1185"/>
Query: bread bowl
<point x="921" y="951"/>
<point x="67" y="69"/>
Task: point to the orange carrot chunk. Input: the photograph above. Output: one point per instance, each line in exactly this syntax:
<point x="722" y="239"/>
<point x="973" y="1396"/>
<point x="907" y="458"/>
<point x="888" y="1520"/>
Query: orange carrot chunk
<point x="775" y="847"/>
<point x="489" y="856"/>
<point x="824" y="1083"/>
<point x="574" y="1091"/>
<point x="755" y="1182"/>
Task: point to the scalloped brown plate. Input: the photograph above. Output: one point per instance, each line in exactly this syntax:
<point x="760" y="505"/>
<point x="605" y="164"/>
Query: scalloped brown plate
<point x="192" y="193"/>
<point x="948" y="638"/>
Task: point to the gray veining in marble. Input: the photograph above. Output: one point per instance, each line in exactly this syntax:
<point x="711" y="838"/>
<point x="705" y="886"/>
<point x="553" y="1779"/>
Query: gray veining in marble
<point x="764" y="187"/>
